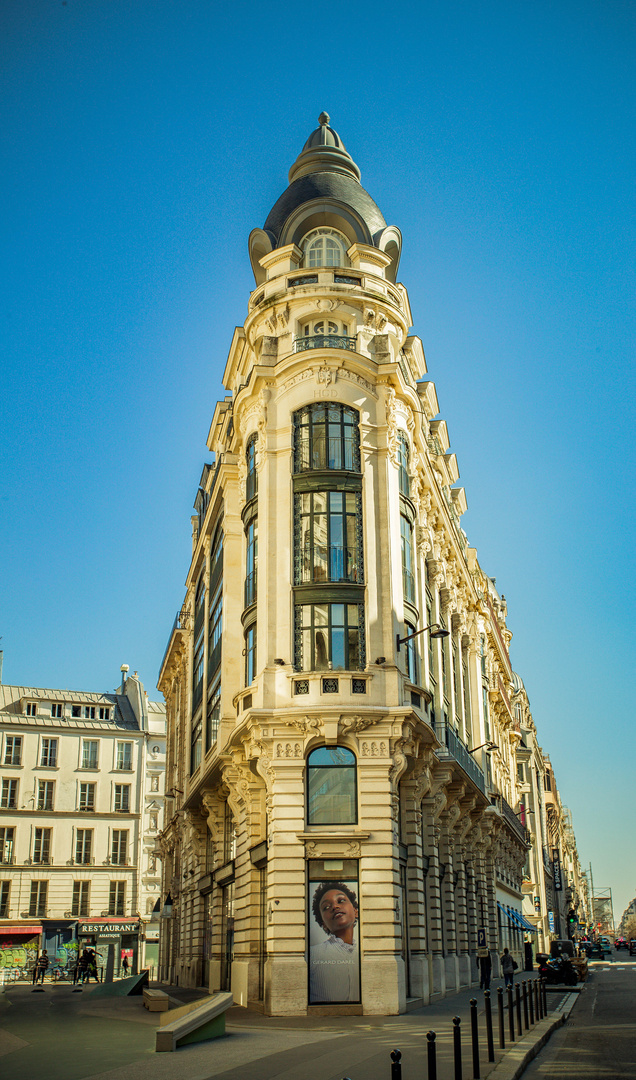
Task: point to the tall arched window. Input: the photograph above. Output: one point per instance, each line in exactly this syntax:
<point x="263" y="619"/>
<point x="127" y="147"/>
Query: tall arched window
<point x="403" y="465"/>
<point x="324" y="247"/>
<point x="326" y="437"/>
<point x="332" y="797"/>
<point x="251" y="480"/>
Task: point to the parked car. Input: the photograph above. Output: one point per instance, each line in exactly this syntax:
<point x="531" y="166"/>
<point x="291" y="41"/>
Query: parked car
<point x="594" y="950"/>
<point x="632" y="946"/>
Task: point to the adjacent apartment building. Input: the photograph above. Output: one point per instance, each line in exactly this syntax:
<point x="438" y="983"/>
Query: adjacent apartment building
<point x="345" y="826"/>
<point x="81" y="807"/>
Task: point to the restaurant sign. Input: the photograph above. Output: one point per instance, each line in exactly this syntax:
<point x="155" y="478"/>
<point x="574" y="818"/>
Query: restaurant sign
<point x="109" y="928"/>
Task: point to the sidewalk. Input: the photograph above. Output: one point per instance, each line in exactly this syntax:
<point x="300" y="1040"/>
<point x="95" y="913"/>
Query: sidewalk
<point x="59" y="1035"/>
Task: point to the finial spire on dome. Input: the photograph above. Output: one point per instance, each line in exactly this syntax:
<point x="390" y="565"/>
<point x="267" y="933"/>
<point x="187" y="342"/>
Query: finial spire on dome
<point x="324" y="151"/>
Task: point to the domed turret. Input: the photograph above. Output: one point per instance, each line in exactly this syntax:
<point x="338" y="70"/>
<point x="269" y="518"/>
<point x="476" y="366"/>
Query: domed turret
<point x="324" y="151"/>
<point x="324" y="190"/>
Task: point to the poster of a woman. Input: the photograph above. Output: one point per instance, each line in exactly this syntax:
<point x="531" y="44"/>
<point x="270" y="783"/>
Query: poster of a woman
<point x="334" y="958"/>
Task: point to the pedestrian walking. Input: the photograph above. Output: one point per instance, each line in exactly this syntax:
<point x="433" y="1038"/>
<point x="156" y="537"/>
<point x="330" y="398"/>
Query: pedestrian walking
<point x="124" y="965"/>
<point x="82" y="967"/>
<point x="484" y="963"/>
<point x="41" y="964"/>
<point x="508" y="966"/>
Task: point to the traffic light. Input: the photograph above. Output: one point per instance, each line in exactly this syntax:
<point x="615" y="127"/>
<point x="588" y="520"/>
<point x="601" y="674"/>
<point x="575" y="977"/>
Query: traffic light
<point x="571" y="917"/>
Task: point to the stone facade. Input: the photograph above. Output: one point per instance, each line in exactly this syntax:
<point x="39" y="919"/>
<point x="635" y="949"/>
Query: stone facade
<point x="81" y="810"/>
<point x="335" y="618"/>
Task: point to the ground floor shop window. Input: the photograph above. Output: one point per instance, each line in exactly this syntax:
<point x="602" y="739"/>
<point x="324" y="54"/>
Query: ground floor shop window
<point x="333" y="919"/>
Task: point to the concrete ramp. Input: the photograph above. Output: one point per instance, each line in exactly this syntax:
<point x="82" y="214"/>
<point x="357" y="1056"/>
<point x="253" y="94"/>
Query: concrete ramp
<point x="196" y="1022"/>
<point x="133" y="985"/>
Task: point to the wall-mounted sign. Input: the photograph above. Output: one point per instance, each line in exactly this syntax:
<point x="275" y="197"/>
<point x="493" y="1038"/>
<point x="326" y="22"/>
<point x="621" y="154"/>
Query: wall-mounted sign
<point x="551" y="921"/>
<point x="556" y="863"/>
<point x="109" y="928"/>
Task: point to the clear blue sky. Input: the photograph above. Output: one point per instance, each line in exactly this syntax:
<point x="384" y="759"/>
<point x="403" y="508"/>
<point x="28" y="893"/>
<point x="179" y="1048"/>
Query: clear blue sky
<point x="142" y="142"/>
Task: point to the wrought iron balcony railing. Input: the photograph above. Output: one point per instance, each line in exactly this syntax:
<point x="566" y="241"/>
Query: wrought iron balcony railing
<point x="460" y="752"/>
<point x="324" y="341"/>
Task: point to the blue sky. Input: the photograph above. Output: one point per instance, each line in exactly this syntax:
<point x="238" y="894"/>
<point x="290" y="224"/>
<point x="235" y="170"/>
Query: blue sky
<point x="142" y="142"/>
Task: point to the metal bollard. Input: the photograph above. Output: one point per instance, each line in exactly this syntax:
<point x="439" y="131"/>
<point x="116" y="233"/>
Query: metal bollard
<point x="432" y="1055"/>
<point x="531" y="1000"/>
<point x="526" y="1021"/>
<point x="396" y="1065"/>
<point x="457" y="1047"/>
<point x="489" y="1039"/>
<point x="511" y="1016"/>
<point x="500" y="1009"/>
<point x="518" y="1007"/>
<point x="474" y="1035"/>
<point x="544" y="987"/>
<point x="540" y="997"/>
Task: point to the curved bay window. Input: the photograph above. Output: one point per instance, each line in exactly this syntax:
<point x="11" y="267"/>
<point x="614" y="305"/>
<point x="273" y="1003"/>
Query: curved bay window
<point x="324" y="247"/>
<point x="196" y="740"/>
<point x="250" y="654"/>
<point x="199" y="643"/>
<point x="404" y="479"/>
<point x="410" y="651"/>
<point x="406" y="543"/>
<point x="332" y="786"/>
<point x="251" y="562"/>
<point x="326" y="436"/>
<point x="329" y="637"/>
<point x="328" y="536"/>
<point x="215" y="618"/>
<point x="251" y="479"/>
<point x="213" y="716"/>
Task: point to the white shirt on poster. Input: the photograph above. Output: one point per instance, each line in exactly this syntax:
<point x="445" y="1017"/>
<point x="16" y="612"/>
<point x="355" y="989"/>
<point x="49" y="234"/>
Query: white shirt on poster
<point x="334" y="971"/>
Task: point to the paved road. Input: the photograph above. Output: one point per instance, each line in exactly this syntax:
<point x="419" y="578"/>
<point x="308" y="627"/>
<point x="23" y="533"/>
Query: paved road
<point x="599" y="1040"/>
<point x="59" y="1035"/>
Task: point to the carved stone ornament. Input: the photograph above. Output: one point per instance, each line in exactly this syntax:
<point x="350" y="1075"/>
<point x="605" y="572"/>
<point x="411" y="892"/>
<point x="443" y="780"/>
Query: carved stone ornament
<point x="278" y="319"/>
<point x="325" y="375"/>
<point x="374" y="749"/>
<point x="353" y="724"/>
<point x="307" y="725"/>
<point x="329" y="849"/>
<point x="391" y="424"/>
<point x="289" y="750"/>
<point x="242" y="477"/>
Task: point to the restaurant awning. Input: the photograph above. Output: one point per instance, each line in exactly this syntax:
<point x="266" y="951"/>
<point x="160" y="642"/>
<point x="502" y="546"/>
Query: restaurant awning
<point x="20" y="929"/>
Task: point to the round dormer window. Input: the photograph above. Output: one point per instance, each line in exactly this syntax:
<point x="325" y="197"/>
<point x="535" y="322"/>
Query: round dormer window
<point x="324" y="247"/>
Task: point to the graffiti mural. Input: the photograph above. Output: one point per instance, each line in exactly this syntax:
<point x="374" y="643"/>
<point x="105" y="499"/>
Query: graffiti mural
<point x="18" y="956"/>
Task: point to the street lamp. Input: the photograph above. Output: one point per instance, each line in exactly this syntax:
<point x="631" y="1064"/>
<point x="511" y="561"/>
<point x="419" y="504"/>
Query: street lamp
<point x="437" y="631"/>
<point x="490" y="745"/>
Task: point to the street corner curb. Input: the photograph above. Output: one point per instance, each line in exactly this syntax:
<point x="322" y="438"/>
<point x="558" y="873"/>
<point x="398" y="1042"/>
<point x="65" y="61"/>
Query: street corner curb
<point x="518" y="1057"/>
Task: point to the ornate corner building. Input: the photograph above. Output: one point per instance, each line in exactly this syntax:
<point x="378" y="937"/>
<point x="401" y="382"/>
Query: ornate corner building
<point x="342" y="743"/>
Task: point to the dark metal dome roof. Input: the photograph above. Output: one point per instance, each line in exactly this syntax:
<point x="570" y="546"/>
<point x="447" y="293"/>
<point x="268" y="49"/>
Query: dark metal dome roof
<point x="330" y="185"/>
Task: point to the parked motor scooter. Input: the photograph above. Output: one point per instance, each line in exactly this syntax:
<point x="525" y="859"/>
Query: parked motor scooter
<point x="557" y="971"/>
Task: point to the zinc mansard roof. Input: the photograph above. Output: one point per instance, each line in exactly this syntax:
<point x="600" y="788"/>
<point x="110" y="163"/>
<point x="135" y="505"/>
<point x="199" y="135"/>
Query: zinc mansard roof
<point x="11" y="698"/>
<point x="324" y="170"/>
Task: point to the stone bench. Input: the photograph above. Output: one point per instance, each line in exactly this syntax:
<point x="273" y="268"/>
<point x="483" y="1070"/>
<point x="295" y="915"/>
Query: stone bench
<point x="196" y="1022"/>
<point x="156" y="1000"/>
